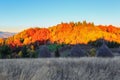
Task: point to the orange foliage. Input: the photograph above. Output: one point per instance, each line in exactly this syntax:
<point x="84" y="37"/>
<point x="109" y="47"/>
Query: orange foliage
<point x="29" y="36"/>
<point x="82" y="33"/>
<point x="68" y="33"/>
<point x="1" y="41"/>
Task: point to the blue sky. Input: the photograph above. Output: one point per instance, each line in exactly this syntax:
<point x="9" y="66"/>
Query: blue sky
<point x="17" y="15"/>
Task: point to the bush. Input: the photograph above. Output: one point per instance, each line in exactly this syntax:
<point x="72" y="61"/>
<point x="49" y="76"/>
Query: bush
<point x="92" y="52"/>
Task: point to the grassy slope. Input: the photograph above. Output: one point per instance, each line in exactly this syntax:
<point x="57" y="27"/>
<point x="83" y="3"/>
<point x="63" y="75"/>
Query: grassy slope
<point x="60" y="69"/>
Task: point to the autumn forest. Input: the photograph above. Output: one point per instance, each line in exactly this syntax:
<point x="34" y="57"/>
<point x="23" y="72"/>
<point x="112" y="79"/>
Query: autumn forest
<point x="71" y="33"/>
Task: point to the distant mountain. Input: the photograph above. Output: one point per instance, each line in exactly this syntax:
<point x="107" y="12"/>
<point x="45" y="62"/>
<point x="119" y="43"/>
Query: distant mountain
<point x="6" y="34"/>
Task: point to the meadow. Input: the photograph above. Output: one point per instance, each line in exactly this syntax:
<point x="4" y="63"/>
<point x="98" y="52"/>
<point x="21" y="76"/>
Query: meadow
<point x="85" y="68"/>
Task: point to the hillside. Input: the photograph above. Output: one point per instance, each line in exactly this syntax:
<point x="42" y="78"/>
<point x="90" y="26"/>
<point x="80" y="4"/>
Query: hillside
<point x="60" y="69"/>
<point x="67" y="33"/>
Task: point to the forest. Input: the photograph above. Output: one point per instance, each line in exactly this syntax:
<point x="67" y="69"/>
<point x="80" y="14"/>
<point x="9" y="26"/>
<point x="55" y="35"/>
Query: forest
<point x="59" y="40"/>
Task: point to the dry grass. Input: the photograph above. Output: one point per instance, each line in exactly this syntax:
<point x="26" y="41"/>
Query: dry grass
<point x="60" y="69"/>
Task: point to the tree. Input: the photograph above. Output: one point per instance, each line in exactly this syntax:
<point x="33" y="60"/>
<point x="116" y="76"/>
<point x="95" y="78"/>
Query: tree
<point x="57" y="54"/>
<point x="1" y="41"/>
<point x="24" y="52"/>
<point x="5" y="51"/>
<point x="44" y="52"/>
<point x="76" y="51"/>
<point x="79" y="23"/>
<point x="104" y="51"/>
<point x="84" y="23"/>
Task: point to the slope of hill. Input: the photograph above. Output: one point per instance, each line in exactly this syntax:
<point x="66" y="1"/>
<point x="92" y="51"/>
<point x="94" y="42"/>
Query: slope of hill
<point x="5" y="34"/>
<point x="67" y="33"/>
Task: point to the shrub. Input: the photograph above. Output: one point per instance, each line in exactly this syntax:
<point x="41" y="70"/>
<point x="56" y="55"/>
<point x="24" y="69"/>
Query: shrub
<point x="92" y="52"/>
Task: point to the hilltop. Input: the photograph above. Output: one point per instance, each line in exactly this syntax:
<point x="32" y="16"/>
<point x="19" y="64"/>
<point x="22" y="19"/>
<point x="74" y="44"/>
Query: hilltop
<point x="67" y="33"/>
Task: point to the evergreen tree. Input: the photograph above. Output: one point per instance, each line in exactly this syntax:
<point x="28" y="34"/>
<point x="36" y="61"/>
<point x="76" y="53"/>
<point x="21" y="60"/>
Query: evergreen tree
<point x="5" y="51"/>
<point x="24" y="52"/>
<point x="57" y="54"/>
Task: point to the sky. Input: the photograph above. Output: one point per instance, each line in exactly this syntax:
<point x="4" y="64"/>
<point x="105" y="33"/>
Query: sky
<point x="17" y="15"/>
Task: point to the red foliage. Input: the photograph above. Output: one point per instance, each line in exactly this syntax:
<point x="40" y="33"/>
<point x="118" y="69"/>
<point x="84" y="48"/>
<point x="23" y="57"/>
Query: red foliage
<point x="42" y="34"/>
<point x="68" y="33"/>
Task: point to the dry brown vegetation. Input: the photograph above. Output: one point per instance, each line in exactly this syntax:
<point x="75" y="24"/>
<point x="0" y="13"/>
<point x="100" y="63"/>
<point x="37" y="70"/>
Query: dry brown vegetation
<point x="60" y="69"/>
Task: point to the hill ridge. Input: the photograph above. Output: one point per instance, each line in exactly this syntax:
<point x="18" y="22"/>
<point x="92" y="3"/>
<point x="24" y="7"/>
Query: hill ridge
<point x="67" y="33"/>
